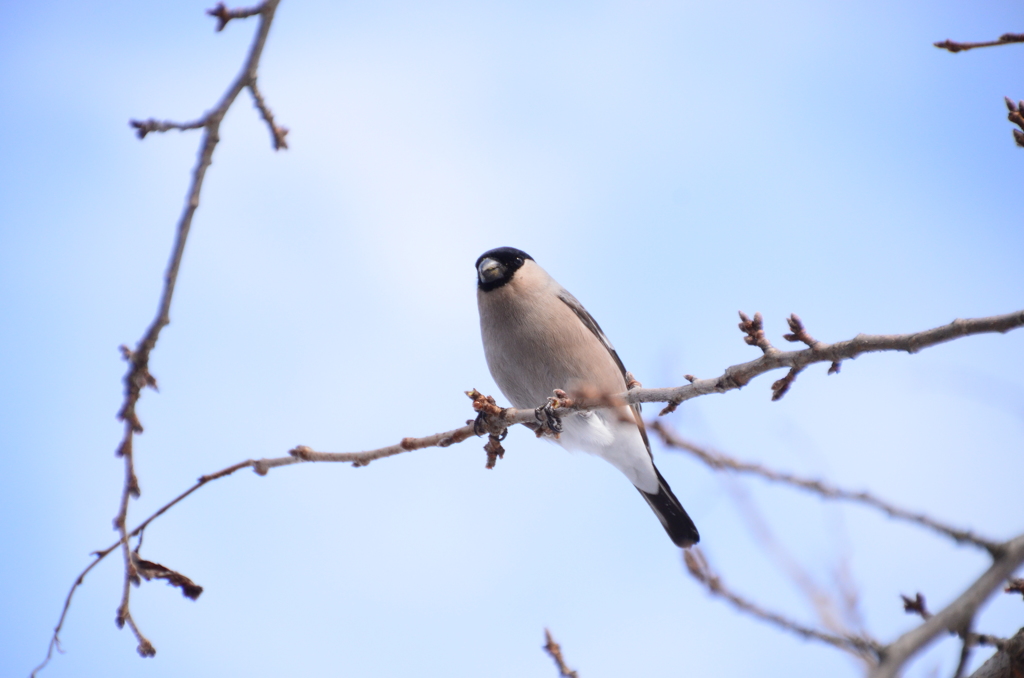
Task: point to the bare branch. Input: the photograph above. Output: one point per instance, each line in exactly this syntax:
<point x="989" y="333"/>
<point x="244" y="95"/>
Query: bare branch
<point x="957" y="616"/>
<point x="965" y="654"/>
<point x="1005" y="39"/>
<point x="719" y="461"/>
<point x="555" y="650"/>
<point x="1007" y="662"/>
<point x="849" y="595"/>
<point x="55" y="638"/>
<point x="138" y="376"/>
<point x="917" y="606"/>
<point x="738" y="376"/>
<point x="224" y="15"/>
<point x="245" y="79"/>
<point x="859" y="646"/>
<point x="277" y="133"/>
<point x="261" y="467"/>
<point x="144" y="127"/>
<point x="144" y="648"/>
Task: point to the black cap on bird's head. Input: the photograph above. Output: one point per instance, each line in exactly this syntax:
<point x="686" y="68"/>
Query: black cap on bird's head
<point x="496" y="267"/>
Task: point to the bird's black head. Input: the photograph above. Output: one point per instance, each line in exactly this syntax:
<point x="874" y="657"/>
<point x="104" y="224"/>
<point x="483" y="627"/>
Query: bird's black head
<point x="496" y="267"/>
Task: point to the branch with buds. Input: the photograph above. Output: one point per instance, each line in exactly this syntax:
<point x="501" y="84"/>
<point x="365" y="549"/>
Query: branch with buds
<point x="1016" y="116"/>
<point x="957" y="617"/>
<point x="1016" y="110"/>
<point x="138" y="376"/>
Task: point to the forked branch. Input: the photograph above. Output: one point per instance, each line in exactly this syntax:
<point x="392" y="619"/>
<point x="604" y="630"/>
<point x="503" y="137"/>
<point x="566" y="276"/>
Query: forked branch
<point x="138" y="376"/>
<point x="958" y="616"/>
<point x="863" y="648"/>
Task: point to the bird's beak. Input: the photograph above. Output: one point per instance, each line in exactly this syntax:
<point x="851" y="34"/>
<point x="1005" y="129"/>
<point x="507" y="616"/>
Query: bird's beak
<point x="490" y="270"/>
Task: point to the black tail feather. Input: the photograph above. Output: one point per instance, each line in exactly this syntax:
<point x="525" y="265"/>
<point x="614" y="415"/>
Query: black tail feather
<point x="672" y="515"/>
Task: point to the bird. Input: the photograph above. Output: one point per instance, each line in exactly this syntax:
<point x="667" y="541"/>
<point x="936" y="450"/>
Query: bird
<point x="538" y="337"/>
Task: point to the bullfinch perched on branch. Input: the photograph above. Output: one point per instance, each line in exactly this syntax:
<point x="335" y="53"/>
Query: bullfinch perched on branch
<point x="538" y="338"/>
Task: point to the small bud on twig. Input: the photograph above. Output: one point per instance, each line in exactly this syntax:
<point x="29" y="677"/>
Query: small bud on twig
<point x="916" y="605"/>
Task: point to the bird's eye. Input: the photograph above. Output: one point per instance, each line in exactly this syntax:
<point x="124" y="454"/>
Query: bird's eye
<point x="519" y="261"/>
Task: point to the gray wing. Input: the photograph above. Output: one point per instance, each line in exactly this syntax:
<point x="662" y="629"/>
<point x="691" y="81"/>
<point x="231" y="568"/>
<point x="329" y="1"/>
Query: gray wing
<point x="591" y="324"/>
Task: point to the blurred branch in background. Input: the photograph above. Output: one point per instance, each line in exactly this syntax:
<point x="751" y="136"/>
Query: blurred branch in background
<point x="837" y="608"/>
<point x="139" y="376"/>
<point x="862" y="647"/>
<point x="718" y="461"/>
<point x="956" y="618"/>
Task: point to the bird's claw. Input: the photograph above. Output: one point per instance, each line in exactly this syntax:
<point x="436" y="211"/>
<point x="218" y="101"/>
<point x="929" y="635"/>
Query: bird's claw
<point x="482" y="425"/>
<point x="548" y="418"/>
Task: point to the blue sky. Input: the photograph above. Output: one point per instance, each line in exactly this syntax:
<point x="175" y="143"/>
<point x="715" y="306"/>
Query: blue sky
<point x="669" y="163"/>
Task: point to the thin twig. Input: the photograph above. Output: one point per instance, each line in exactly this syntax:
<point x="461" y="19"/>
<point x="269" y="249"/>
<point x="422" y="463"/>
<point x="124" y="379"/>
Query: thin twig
<point x="719" y="461"/>
<point x="965" y="654"/>
<point x="261" y="467"/>
<point x="697" y="565"/>
<point x="849" y="595"/>
<point x="144" y="127"/>
<point x="555" y="650"/>
<point x="224" y="15"/>
<point x="55" y="638"/>
<point x="823" y="601"/>
<point x="277" y="133"/>
<point x="1005" y="39"/>
<point x="138" y="376"/>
